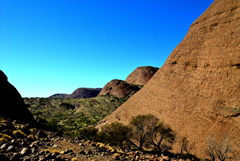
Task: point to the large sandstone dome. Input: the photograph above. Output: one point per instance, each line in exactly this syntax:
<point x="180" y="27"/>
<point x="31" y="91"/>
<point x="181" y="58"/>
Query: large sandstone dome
<point x="141" y="75"/>
<point x="197" y="90"/>
<point x="118" y="88"/>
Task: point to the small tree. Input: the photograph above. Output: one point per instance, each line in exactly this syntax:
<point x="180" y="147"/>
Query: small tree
<point x="220" y="149"/>
<point x="142" y="125"/>
<point x="185" y="146"/>
<point x="161" y="137"/>
<point x="117" y="133"/>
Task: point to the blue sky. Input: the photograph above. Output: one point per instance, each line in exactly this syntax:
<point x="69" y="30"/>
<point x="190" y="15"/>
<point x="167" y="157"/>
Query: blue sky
<point x="57" y="46"/>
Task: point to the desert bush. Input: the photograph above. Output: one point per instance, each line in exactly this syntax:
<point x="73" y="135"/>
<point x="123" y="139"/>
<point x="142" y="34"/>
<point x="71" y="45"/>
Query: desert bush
<point x="221" y="149"/>
<point x="100" y="137"/>
<point x="41" y="120"/>
<point x="142" y="125"/>
<point x="52" y="123"/>
<point x="59" y="116"/>
<point x="67" y="106"/>
<point x="148" y="132"/>
<point x="161" y="137"/>
<point x="89" y="132"/>
<point x="185" y="146"/>
<point x="117" y="133"/>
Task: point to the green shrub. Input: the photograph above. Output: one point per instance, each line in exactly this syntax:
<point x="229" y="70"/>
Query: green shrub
<point x="89" y="132"/>
<point x="162" y="137"/>
<point x="148" y="132"/>
<point x="116" y="133"/>
<point x="67" y="106"/>
<point x="142" y="125"/>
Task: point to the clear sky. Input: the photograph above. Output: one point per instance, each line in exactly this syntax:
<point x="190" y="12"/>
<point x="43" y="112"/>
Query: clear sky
<point x="57" y="46"/>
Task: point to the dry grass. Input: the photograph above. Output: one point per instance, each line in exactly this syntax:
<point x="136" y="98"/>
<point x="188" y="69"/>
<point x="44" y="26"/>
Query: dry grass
<point x="5" y="137"/>
<point x="19" y="132"/>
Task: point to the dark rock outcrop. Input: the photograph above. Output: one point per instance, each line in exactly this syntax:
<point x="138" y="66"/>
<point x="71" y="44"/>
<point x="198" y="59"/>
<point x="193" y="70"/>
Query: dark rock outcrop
<point x="118" y="88"/>
<point x="141" y="75"/>
<point x="85" y="93"/>
<point x="11" y="102"/>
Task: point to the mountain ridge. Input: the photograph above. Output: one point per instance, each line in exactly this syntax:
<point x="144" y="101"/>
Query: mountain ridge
<point x="82" y="92"/>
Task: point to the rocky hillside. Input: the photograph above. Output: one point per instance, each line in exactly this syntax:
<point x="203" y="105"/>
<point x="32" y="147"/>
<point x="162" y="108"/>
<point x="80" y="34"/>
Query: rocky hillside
<point x="141" y="75"/>
<point x="19" y="142"/>
<point x="197" y="90"/>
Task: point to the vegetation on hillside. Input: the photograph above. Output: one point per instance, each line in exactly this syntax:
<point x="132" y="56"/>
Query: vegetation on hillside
<point x="71" y="115"/>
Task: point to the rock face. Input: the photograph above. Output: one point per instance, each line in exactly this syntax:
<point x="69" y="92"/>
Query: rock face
<point x="12" y="105"/>
<point x="118" y="88"/>
<point x="197" y="90"/>
<point x="141" y="75"/>
<point x="85" y="93"/>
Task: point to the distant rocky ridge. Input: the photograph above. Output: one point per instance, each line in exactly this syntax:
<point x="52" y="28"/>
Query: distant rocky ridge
<point x="141" y="75"/>
<point x="85" y="93"/>
<point x="59" y="95"/>
<point x="79" y="93"/>
<point x="197" y="90"/>
<point x="118" y="88"/>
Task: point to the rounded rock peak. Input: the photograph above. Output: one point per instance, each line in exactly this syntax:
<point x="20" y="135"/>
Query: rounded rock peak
<point x="141" y="75"/>
<point x="118" y="88"/>
<point x="3" y="76"/>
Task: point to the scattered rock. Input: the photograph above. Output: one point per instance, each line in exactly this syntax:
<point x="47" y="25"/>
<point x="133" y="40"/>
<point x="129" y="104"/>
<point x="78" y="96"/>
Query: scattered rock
<point x="41" y="134"/>
<point x="55" y="145"/>
<point x="10" y="148"/>
<point x="87" y="152"/>
<point x="4" y="146"/>
<point x="25" y="151"/>
<point x="82" y="152"/>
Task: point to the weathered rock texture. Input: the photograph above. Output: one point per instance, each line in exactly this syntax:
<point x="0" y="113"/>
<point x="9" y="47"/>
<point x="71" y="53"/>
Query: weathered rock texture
<point x="85" y="93"/>
<point x="197" y="90"/>
<point x="11" y="102"/>
<point x="141" y="75"/>
<point x="118" y="88"/>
